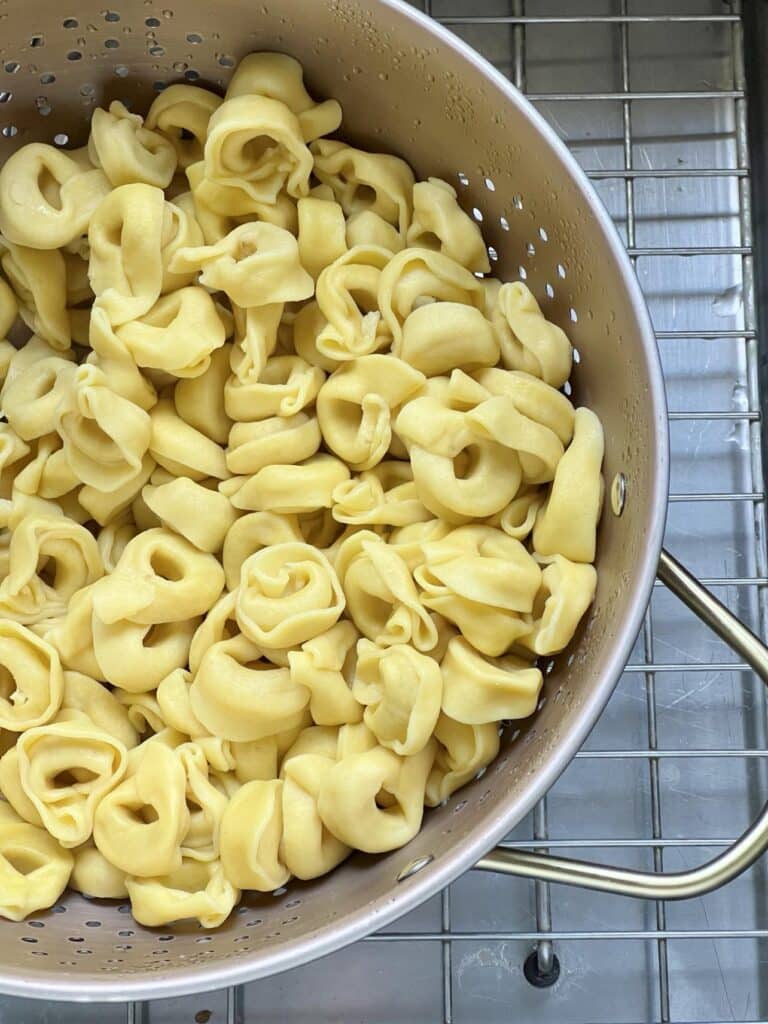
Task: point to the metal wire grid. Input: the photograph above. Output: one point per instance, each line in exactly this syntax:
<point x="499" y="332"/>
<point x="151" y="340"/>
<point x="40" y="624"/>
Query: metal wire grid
<point x="437" y="956"/>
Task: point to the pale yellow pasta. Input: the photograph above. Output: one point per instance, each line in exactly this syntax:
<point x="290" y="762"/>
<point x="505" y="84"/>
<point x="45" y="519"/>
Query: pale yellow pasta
<point x="34" y="398"/>
<point x="251" y="830"/>
<point x="160" y="578"/>
<point x="306" y="330"/>
<point x="462" y="752"/>
<point x="95" y="876"/>
<point x="440" y="223"/>
<point x="442" y="335"/>
<point x="31" y="679"/>
<point x="72" y="636"/>
<point x="113" y="538"/>
<point x="305" y="487"/>
<point x="251" y="533"/>
<point x="385" y="495"/>
<point x="415" y="275"/>
<point x="177" y="334"/>
<point x="325" y="665"/>
<point x="288" y="593"/>
<point x="200" y="400"/>
<point x="137" y="656"/>
<point x="206" y="806"/>
<point x="255" y="146"/>
<point x="181" y="113"/>
<point x="143" y="710"/>
<point x="375" y="801"/>
<point x="291" y="501"/>
<point x="276" y="440"/>
<point x="281" y="77"/>
<point x="34" y="868"/>
<point x="87" y="696"/>
<point x="128" y="152"/>
<point x="567" y="590"/>
<point x="402" y="692"/>
<point x="105" y="506"/>
<point x="366" y="181"/>
<point x="39" y="280"/>
<point x="347" y="295"/>
<point x="528" y="340"/>
<point x="460" y="474"/>
<point x="238" y="696"/>
<point x="9" y="310"/>
<point x="255" y="264"/>
<point x="181" y="449"/>
<point x="65" y="769"/>
<point x="482" y="580"/>
<point x="285" y="386"/>
<point x="308" y="848"/>
<point x="139" y="826"/>
<point x="46" y="197"/>
<point x="201" y="515"/>
<point x="193" y="890"/>
<point x="408" y="541"/>
<point x="477" y="690"/>
<point x="50" y="558"/>
<point x="112" y="357"/>
<point x="126" y="264"/>
<point x="381" y="596"/>
<point x="256" y="331"/>
<point x="321" y="234"/>
<point x="367" y="228"/>
<point x="105" y="435"/>
<point x="355" y="404"/>
<point x="567" y="522"/>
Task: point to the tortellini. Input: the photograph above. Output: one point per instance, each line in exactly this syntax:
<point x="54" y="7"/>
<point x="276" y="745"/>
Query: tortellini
<point x="288" y="593"/>
<point x="292" y="499"/>
<point x="46" y="197"/>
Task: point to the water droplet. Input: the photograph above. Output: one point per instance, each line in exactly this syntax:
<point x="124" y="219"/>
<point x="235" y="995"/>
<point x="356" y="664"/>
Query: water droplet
<point x="728" y="303"/>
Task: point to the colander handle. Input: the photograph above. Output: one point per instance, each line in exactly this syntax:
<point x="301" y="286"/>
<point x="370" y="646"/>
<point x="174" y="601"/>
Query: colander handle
<point x="677" y="885"/>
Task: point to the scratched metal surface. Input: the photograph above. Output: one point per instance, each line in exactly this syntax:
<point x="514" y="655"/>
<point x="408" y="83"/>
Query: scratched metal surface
<point x="672" y="171"/>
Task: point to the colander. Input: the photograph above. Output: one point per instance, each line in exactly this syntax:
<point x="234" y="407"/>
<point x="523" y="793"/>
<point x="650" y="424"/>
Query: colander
<point x="409" y="87"/>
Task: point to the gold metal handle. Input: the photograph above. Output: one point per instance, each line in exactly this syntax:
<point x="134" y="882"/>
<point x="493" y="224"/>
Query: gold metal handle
<point x="677" y="885"/>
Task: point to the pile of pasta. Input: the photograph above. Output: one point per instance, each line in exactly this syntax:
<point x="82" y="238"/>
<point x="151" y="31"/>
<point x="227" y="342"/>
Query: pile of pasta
<point x="291" y="501"/>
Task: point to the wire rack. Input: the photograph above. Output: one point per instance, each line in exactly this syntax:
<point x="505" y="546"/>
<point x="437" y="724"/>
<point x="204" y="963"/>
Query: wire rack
<point x="652" y="99"/>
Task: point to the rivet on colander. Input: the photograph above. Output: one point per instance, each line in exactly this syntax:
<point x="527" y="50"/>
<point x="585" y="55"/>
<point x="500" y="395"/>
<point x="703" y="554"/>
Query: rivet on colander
<point x="618" y="494"/>
<point x="413" y="867"/>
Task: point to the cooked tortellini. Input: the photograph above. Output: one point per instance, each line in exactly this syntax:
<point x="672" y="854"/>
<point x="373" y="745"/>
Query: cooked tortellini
<point x="292" y="499"/>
